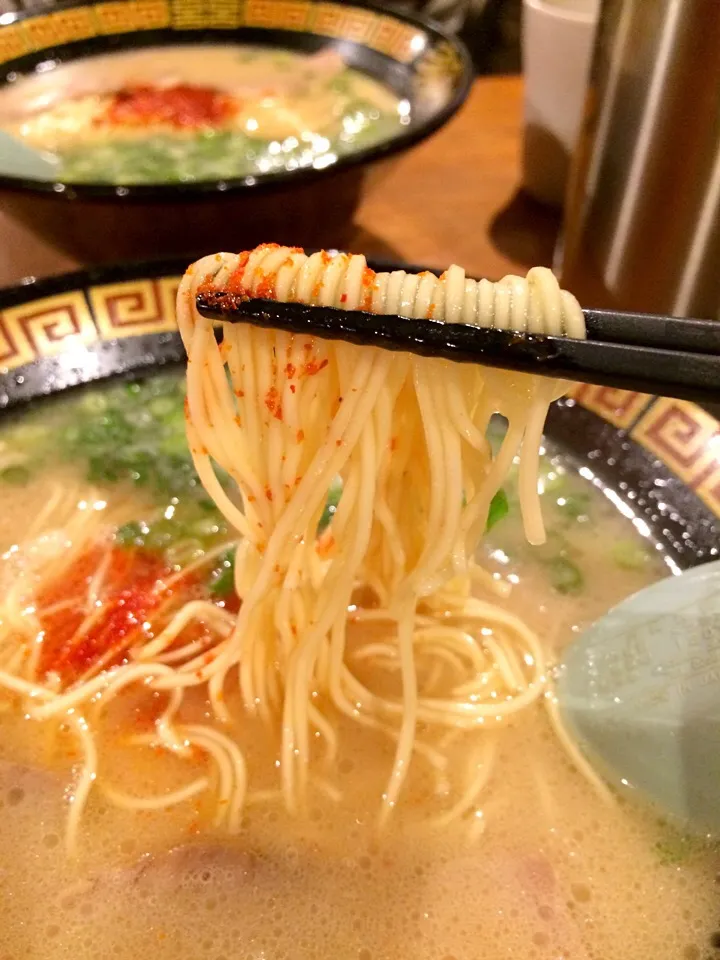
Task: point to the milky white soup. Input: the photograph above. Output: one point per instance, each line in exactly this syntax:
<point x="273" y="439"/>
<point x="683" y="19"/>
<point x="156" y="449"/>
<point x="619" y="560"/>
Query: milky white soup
<point x="548" y="871"/>
<point x="199" y="112"/>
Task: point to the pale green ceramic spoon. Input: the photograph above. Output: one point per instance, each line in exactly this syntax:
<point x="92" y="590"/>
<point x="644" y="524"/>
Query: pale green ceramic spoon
<point x="640" y="691"/>
<point x="17" y="159"/>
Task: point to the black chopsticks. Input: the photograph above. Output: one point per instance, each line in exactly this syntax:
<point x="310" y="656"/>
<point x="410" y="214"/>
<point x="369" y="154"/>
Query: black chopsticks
<point x="650" y="354"/>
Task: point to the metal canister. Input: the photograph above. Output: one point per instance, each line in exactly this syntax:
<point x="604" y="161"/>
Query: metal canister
<point x="642" y="218"/>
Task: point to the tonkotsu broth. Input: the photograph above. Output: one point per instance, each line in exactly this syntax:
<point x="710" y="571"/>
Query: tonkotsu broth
<point x="556" y="873"/>
<point x="198" y="112"/>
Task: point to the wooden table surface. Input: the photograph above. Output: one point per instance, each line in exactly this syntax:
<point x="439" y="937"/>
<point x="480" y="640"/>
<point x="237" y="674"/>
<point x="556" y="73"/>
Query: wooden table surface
<point x="452" y="199"/>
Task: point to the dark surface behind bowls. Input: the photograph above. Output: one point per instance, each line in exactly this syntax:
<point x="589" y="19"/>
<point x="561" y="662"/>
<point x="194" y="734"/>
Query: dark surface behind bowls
<point x="102" y="223"/>
<point x="660" y="464"/>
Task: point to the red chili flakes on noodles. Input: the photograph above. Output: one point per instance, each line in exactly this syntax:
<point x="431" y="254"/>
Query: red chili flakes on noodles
<point x="312" y="367"/>
<point x="273" y="403"/>
<point x="235" y="280"/>
<point x="266" y="288"/>
<point x="368" y="285"/>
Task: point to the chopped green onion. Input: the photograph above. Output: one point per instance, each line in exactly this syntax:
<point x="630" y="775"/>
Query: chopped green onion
<point x="222" y="579"/>
<point x="16" y="475"/>
<point x="565" y="575"/>
<point x="499" y="508"/>
<point x="629" y="555"/>
<point x="130" y="535"/>
<point x="162" y="407"/>
<point x="333" y="499"/>
<point x="93" y="402"/>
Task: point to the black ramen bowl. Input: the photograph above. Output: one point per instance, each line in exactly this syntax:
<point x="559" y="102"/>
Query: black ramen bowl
<point x="102" y="222"/>
<point x="654" y="457"/>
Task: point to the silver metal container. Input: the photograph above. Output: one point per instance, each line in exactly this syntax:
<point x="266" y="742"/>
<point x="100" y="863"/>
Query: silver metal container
<point x="642" y="218"/>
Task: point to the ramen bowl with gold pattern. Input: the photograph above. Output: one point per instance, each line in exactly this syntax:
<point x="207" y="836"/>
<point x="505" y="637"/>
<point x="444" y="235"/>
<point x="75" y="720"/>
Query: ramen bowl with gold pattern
<point x="177" y="126"/>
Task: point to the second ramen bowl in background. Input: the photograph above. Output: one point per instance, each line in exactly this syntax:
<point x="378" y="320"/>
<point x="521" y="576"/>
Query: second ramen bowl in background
<point x="130" y="211"/>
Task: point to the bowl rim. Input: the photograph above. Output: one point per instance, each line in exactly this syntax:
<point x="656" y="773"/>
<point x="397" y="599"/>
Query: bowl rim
<point x="201" y="190"/>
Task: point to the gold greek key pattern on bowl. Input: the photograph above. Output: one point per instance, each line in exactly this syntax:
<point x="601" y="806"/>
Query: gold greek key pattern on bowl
<point x="61" y="27"/>
<point x="337" y="20"/>
<point x="281" y="14"/>
<point x="45" y="328"/>
<point x="687" y="440"/>
<point x="54" y="325"/>
<point x="190" y="14"/>
<point x="123" y="16"/>
<point x="619" y="407"/>
<point x="79" y="23"/>
<point x="132" y="309"/>
<point x="224" y="14"/>
<point x="13" y="42"/>
<point x="683" y="436"/>
<point x="398" y="40"/>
